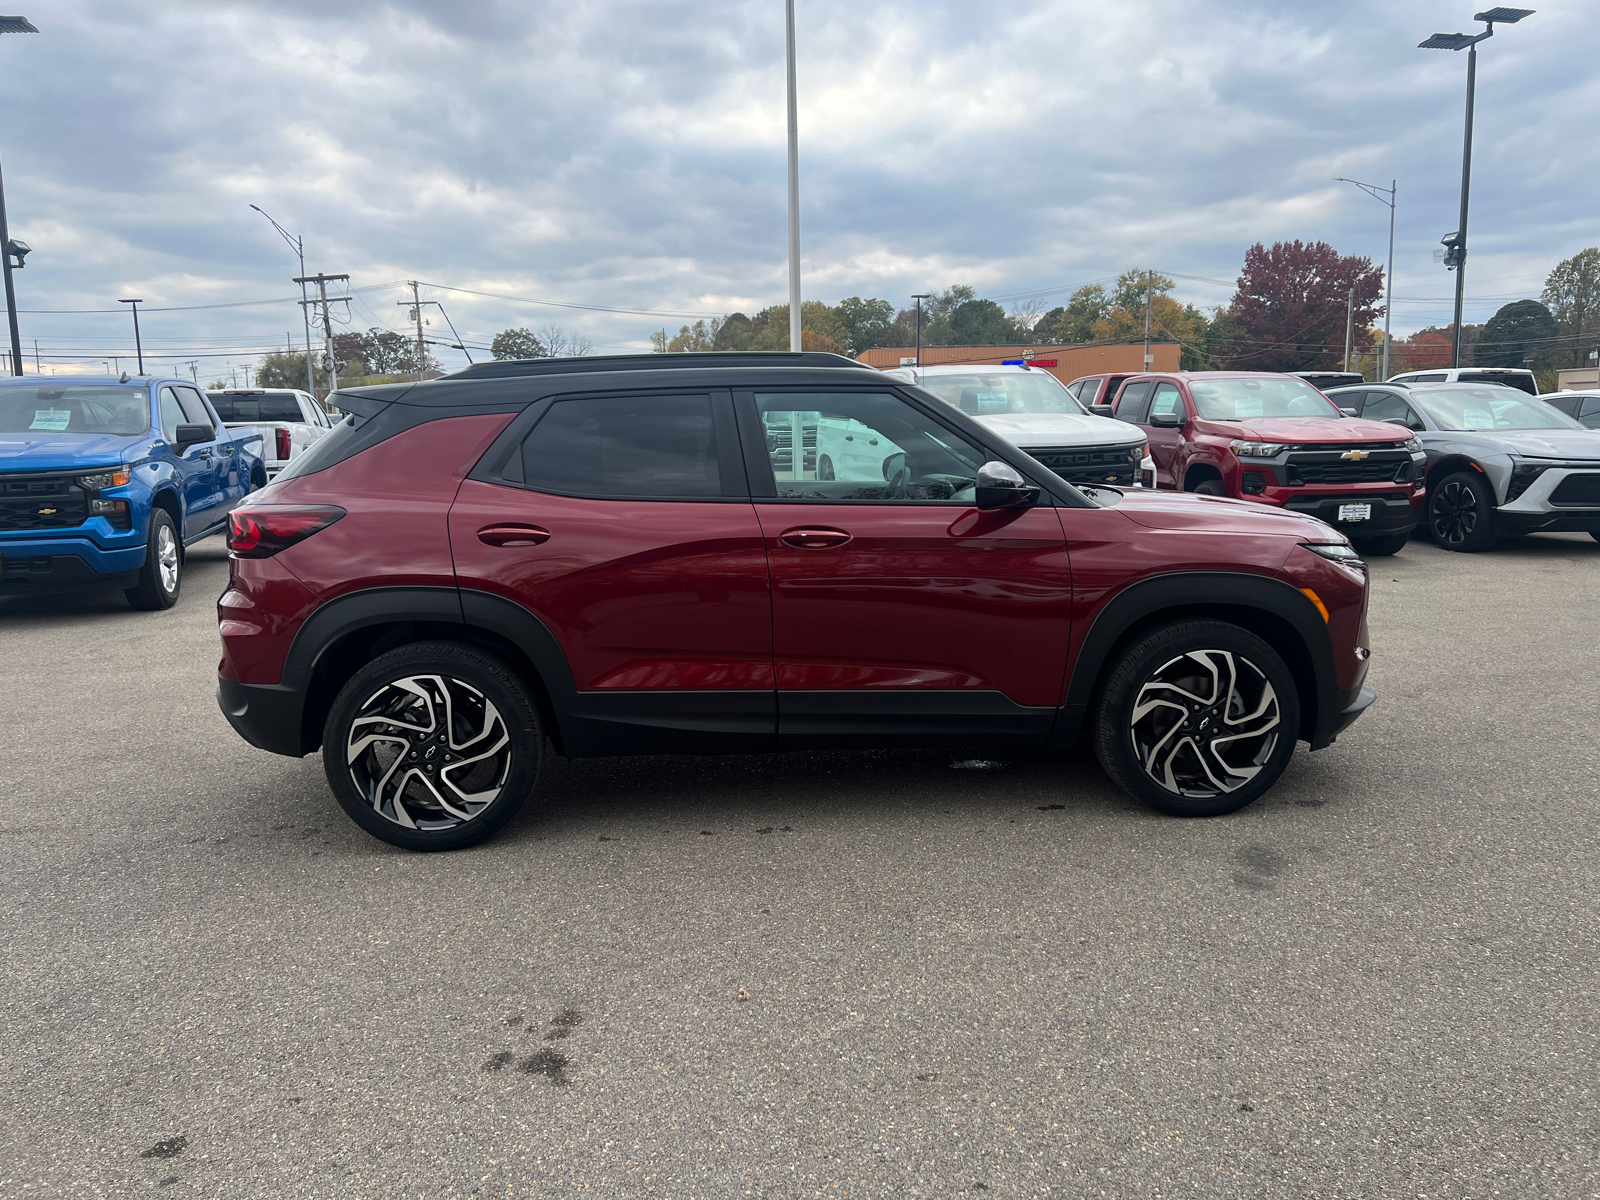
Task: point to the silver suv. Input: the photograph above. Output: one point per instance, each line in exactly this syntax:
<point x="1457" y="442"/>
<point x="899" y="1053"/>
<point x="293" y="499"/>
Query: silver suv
<point x="1499" y="461"/>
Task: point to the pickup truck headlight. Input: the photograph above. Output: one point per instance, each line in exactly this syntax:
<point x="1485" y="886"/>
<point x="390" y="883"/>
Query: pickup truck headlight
<point x="1413" y="444"/>
<point x="1257" y="449"/>
<point x="105" y="479"/>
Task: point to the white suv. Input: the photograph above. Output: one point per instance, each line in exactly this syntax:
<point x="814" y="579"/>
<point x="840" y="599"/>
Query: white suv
<point x="1031" y="409"/>
<point x="1518" y="377"/>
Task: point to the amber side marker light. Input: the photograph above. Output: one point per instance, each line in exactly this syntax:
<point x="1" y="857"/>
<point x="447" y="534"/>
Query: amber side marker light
<point x="1317" y="600"/>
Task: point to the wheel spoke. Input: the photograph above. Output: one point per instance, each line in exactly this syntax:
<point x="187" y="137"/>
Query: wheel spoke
<point x="1199" y="745"/>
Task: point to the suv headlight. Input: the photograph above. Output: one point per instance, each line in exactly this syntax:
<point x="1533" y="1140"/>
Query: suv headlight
<point x="1257" y="449"/>
<point x="1342" y="553"/>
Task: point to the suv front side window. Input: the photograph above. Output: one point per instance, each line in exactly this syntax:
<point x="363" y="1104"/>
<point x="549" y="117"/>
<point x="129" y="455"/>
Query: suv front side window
<point x="1386" y="406"/>
<point x="863" y="446"/>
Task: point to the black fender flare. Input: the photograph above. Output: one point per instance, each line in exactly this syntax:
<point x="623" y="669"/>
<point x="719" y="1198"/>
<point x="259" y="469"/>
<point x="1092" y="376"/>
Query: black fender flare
<point x="1221" y="594"/>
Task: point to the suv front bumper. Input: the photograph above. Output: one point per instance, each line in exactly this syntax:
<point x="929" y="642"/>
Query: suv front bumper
<point x="1560" y="500"/>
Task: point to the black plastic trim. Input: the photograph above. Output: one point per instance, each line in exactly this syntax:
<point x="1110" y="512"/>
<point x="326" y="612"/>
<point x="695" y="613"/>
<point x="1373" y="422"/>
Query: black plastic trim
<point x="357" y="610"/>
<point x="62" y="573"/>
<point x="906" y="717"/>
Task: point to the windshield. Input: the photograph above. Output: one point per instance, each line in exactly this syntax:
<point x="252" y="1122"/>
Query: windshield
<point x="1269" y="396"/>
<point x="255" y="408"/>
<point x="1482" y="408"/>
<point x="985" y="395"/>
<point x="122" y="411"/>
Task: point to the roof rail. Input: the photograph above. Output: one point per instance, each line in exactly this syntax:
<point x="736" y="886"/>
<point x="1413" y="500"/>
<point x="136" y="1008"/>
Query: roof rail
<point x="654" y="362"/>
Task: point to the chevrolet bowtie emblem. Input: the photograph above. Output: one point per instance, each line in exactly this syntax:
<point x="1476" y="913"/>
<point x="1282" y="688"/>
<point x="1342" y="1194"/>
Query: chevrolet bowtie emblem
<point x="1355" y="455"/>
<point x="47" y="512"/>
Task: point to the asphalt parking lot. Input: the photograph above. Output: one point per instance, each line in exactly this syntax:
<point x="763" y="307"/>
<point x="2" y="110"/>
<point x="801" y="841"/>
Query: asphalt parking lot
<point x="963" y="978"/>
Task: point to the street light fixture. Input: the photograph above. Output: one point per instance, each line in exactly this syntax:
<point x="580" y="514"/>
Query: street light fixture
<point x="1378" y="193"/>
<point x="1457" y="242"/>
<point x="138" y="346"/>
<point x="298" y="245"/>
<point x="8" y="248"/>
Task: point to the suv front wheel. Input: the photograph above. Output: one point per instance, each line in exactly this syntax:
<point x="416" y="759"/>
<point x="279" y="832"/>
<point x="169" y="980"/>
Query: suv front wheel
<point x="433" y="746"/>
<point x="1461" y="512"/>
<point x="1197" y="719"/>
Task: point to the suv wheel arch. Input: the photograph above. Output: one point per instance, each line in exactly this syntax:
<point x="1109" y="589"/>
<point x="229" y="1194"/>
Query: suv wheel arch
<point x="1198" y="473"/>
<point x="1272" y="609"/>
<point x="1453" y="463"/>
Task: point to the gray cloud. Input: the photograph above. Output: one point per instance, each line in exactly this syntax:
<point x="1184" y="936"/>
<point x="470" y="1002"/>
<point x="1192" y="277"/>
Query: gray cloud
<point x="631" y="154"/>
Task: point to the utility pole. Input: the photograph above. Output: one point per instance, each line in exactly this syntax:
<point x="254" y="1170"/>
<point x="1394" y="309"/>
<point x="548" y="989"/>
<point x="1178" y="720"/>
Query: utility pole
<point x="138" y="346"/>
<point x="459" y="344"/>
<point x="1149" y="285"/>
<point x="416" y="312"/>
<point x="1349" y="325"/>
<point x="1377" y="193"/>
<point x="324" y="300"/>
<point x="8" y="248"/>
<point x="919" y="298"/>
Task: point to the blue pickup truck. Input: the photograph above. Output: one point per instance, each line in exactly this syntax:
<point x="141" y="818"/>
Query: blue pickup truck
<point x="104" y="481"/>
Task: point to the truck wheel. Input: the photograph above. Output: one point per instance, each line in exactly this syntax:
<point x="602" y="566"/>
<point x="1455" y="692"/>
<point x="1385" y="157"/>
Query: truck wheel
<point x="825" y="468"/>
<point x="159" y="578"/>
<point x="1209" y="487"/>
<point x="1377" y="547"/>
<point x="433" y="746"/>
<point x="1197" y="719"/>
<point x="1461" y="513"/>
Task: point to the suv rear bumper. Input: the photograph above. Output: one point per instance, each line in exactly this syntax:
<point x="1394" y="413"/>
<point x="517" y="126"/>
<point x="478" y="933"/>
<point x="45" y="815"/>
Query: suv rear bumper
<point x="270" y="716"/>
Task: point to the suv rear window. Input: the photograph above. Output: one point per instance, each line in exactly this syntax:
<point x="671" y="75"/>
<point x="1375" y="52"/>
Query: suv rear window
<point x="256" y="408"/>
<point x="650" y="446"/>
<point x="1505" y="378"/>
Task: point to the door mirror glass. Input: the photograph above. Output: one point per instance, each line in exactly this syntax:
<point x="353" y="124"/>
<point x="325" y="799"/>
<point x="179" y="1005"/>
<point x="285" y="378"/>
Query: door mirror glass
<point x="1350" y="412"/>
<point x="1002" y="486"/>
<point x="1167" y="420"/>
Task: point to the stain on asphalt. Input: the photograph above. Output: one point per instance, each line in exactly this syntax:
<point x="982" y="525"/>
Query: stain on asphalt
<point x="497" y="1061"/>
<point x="170" y="1148"/>
<point x="768" y="829"/>
<point x="1260" y="864"/>
<point x="563" y="1024"/>
<point x="549" y="1064"/>
<point x="514" y="1020"/>
<point x="1050" y="807"/>
<point x="707" y="833"/>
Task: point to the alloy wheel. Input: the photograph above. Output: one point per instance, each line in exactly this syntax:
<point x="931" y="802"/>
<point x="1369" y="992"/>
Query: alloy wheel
<point x="167" y="558"/>
<point x="1205" y="723"/>
<point x="1454" y="512"/>
<point x="428" y="752"/>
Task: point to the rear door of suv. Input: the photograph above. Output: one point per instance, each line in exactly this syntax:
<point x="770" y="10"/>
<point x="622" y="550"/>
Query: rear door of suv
<point x="899" y="610"/>
<point x="623" y="522"/>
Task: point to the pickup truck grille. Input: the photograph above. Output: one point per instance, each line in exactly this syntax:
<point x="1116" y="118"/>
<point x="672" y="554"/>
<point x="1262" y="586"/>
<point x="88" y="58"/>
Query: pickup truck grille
<point x="1113" y="464"/>
<point x="1330" y="466"/>
<point x="41" y="502"/>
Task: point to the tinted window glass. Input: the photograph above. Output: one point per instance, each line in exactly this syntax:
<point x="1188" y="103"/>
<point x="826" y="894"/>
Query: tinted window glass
<point x="1517" y="380"/>
<point x="122" y="411"/>
<point x="1436" y="377"/>
<point x="863" y="446"/>
<point x="172" y="415"/>
<point x="1133" y="404"/>
<point x="986" y="395"/>
<point x="195" y="407"/>
<point x="1589" y="414"/>
<point x="1166" y="399"/>
<point x="256" y="408"/>
<point x="648" y="446"/>
<point x="1386" y="406"/>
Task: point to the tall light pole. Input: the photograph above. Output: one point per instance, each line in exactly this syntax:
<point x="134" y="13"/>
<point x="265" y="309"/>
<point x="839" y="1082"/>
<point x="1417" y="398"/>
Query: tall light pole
<point x="138" y="346"/>
<point x="298" y="245"/>
<point x="1456" y="256"/>
<point x="1377" y="193"/>
<point x="919" y="298"/>
<point x="794" y="188"/>
<point x="8" y="248"/>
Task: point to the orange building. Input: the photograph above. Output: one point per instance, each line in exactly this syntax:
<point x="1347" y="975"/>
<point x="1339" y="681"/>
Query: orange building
<point x="1066" y="363"/>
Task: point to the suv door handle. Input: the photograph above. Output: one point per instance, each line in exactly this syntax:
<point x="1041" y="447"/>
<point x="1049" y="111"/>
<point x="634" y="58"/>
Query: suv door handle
<point x="805" y="538"/>
<point x="513" y="535"/>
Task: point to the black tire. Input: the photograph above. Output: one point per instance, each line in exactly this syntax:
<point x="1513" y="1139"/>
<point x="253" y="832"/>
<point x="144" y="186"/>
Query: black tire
<point x="1189" y="659"/>
<point x="825" y="468"/>
<point x="1595" y="534"/>
<point x="1378" y="547"/>
<point x="161" y="577"/>
<point x="1209" y="487"/>
<point x="1461" y="513"/>
<point x="496" y="738"/>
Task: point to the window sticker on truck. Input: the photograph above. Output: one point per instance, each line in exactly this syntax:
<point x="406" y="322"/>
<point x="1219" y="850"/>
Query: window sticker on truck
<point x="53" y="419"/>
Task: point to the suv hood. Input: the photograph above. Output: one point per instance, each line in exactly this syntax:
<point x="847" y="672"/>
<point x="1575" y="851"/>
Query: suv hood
<point x="1219" y="514"/>
<point x="1545" y="443"/>
<point x="47" y="451"/>
<point x="1315" y="429"/>
<point x="1061" y="429"/>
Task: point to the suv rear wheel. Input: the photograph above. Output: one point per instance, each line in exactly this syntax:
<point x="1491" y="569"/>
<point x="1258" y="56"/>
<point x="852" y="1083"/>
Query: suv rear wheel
<point x="1461" y="512"/>
<point x="433" y="746"/>
<point x="1197" y="719"/>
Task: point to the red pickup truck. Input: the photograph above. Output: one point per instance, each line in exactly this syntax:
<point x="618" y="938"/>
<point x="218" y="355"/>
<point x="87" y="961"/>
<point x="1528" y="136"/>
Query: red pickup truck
<point x="1276" y="440"/>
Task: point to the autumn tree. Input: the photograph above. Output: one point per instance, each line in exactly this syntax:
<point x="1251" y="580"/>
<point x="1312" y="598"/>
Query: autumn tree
<point x="1085" y="306"/>
<point x="697" y="338"/>
<point x="735" y="333"/>
<point x="820" y="328"/>
<point x="1522" y="333"/>
<point x="1425" y="350"/>
<point x="1291" y="303"/>
<point x="1572" y="294"/>
<point x="517" y="343"/>
<point x="286" y="370"/>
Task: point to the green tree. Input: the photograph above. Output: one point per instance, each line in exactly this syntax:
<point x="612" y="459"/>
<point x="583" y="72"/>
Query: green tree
<point x="1522" y="333"/>
<point x="1044" y="329"/>
<point x="1131" y="285"/>
<point x="1572" y="294"/>
<point x="286" y="370"/>
<point x="982" y="323"/>
<point x="820" y="328"/>
<point x="1085" y="306"/>
<point x="735" y="333"/>
<point x="697" y="338"/>
<point x="867" y="323"/>
<point x="516" y="344"/>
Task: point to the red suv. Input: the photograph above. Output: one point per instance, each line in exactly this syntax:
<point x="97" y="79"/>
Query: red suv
<point x="1276" y="439"/>
<point x="639" y="555"/>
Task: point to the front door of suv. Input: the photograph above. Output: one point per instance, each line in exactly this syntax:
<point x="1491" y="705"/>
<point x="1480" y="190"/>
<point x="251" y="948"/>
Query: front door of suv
<point x="622" y="521"/>
<point x="898" y="608"/>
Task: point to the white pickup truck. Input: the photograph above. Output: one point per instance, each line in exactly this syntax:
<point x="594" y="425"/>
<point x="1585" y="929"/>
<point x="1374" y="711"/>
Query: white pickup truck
<point x="288" y="420"/>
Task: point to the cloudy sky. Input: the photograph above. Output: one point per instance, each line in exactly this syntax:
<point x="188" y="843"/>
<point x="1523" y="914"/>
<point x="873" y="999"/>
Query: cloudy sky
<point x="631" y="155"/>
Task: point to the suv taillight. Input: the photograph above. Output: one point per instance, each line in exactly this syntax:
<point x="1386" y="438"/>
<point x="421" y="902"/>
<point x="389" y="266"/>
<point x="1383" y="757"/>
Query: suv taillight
<point x="263" y="531"/>
<point x="283" y="445"/>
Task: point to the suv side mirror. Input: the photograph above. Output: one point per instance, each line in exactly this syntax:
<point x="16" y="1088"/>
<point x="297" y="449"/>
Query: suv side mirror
<point x="193" y="435"/>
<point x="1349" y="412"/>
<point x="1101" y="410"/>
<point x="1002" y="486"/>
<point x="1168" y="420"/>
